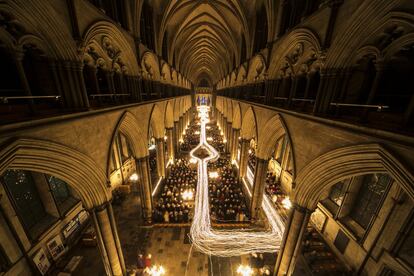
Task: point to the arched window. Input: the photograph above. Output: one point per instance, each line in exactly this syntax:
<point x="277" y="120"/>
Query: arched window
<point x="38" y="199"/>
<point x="357" y="200"/>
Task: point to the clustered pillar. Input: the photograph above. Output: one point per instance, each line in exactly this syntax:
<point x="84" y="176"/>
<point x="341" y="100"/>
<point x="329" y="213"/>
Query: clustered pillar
<point x="234" y="143"/>
<point x="244" y="156"/>
<point x="160" y="157"/>
<point x="177" y="136"/>
<point x="170" y="143"/>
<point x="108" y="240"/>
<point x="292" y="239"/>
<point x="228" y="136"/>
<point x="258" y="187"/>
<point x="145" y="187"/>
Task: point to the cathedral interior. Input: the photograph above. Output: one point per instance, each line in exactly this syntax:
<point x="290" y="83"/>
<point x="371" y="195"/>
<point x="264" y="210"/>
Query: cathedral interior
<point x="206" y="137"/>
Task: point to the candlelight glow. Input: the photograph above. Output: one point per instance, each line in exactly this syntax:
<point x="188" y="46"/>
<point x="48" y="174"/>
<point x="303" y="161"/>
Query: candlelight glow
<point x="213" y="174"/>
<point x="188" y="195"/>
<point x="133" y="177"/>
<point x="245" y="270"/>
<point x="155" y="270"/>
<point x="234" y="242"/>
<point x="287" y="204"/>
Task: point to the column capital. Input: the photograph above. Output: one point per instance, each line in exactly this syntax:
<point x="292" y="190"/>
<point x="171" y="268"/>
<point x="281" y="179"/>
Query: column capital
<point x="300" y="208"/>
<point x="244" y="140"/>
<point x="159" y="140"/>
<point x="261" y="160"/>
<point x="17" y="54"/>
<point x="99" y="208"/>
<point x="140" y="159"/>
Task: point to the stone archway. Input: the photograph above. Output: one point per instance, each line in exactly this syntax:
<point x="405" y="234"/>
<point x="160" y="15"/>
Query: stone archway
<point x="336" y="165"/>
<point x="82" y="174"/>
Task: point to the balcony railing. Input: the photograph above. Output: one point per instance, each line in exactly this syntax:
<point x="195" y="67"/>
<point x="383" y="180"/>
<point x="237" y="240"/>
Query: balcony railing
<point x="381" y="116"/>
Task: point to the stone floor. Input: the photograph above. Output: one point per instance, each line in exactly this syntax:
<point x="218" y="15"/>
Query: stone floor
<point x="169" y="247"/>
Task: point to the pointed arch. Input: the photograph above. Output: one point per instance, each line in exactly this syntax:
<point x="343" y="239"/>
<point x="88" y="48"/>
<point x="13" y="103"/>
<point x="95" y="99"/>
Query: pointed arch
<point x="272" y="131"/>
<point x="105" y="40"/>
<point x="229" y="111"/>
<point x="150" y="66"/>
<point x="339" y="164"/>
<point x="249" y="125"/>
<point x="236" y="115"/>
<point x="177" y="112"/>
<point x="156" y="122"/>
<point x="129" y="126"/>
<point x="75" y="168"/>
<point x="257" y="68"/>
<point x="169" y="115"/>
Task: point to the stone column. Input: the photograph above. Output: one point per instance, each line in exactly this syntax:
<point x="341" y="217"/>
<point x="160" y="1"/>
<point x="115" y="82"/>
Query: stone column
<point x="228" y="136"/>
<point x="160" y="157"/>
<point x="79" y="67"/>
<point x="109" y="75"/>
<point x="235" y="143"/>
<point x="379" y="68"/>
<point x="258" y="187"/>
<point x="145" y="187"/>
<point x="56" y="81"/>
<point x="292" y="240"/>
<point x="224" y="128"/>
<point x="108" y="239"/>
<point x="244" y="157"/>
<point x="279" y="18"/>
<point x="127" y="13"/>
<point x="18" y="61"/>
<point x="319" y="94"/>
<point x="181" y="128"/>
<point x="70" y="78"/>
<point x="177" y="136"/>
<point x="292" y="92"/>
<point x="170" y="143"/>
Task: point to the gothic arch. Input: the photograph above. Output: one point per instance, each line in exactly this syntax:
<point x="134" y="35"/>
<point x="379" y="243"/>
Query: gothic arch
<point x="269" y="134"/>
<point x="174" y="76"/>
<point x="129" y="126"/>
<point x="166" y="73"/>
<point x="229" y="111"/>
<point x="75" y="168"/>
<point x="249" y="125"/>
<point x="177" y="111"/>
<point x="236" y="115"/>
<point x="169" y="115"/>
<point x="257" y="68"/>
<point x="368" y="50"/>
<point x="298" y="52"/>
<point x="358" y="33"/>
<point x="233" y="78"/>
<point x="241" y="75"/>
<point x="156" y="122"/>
<point x="150" y="66"/>
<point x="21" y="21"/>
<point x="104" y="45"/>
<point x="334" y="166"/>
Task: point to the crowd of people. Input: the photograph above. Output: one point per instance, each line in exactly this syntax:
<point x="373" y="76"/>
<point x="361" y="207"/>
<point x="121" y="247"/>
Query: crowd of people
<point x="192" y="137"/>
<point x="214" y="137"/>
<point x="227" y="202"/>
<point x="174" y="204"/>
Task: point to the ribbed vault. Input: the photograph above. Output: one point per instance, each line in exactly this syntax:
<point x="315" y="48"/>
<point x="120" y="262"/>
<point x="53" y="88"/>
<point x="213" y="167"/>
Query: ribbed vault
<point x="204" y="37"/>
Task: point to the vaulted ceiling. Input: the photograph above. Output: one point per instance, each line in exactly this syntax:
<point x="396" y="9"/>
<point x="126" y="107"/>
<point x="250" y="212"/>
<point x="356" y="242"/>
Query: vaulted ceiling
<point x="204" y="38"/>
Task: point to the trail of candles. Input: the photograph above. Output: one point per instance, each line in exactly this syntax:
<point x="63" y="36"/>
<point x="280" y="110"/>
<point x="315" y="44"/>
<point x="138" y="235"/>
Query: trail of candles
<point x="227" y="243"/>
